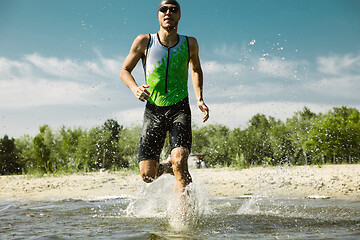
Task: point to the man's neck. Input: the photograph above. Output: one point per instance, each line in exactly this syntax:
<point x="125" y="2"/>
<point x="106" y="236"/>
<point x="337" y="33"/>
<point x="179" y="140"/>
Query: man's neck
<point x="168" y="37"/>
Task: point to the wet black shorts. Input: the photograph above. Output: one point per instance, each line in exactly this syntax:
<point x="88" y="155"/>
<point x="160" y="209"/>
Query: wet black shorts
<point x="175" y="119"/>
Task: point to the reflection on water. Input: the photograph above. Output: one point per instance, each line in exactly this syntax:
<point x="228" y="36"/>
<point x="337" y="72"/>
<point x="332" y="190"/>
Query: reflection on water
<point x="148" y="216"/>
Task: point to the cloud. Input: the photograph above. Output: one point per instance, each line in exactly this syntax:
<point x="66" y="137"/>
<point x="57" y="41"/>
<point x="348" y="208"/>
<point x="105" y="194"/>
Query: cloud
<point x="36" y="80"/>
<point x="10" y="68"/>
<point x="281" y="68"/>
<point x="129" y="117"/>
<point x="74" y="69"/>
<point x="29" y="93"/>
<point x="339" y="65"/>
<point x="257" y="80"/>
<point x="267" y="77"/>
<point x="339" y="77"/>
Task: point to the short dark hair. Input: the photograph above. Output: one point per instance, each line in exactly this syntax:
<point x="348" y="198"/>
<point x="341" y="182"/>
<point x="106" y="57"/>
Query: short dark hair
<point x="173" y="2"/>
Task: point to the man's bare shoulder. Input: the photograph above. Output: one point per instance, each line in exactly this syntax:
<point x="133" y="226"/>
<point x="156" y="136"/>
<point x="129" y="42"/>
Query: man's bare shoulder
<point x="193" y="44"/>
<point x="192" y="40"/>
<point x="142" y="41"/>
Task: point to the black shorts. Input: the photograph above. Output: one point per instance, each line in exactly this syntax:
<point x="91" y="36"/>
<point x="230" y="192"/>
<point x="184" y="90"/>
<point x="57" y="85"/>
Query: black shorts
<point x="175" y="119"/>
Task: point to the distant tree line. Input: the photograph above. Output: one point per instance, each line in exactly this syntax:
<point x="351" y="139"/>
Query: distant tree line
<point x="70" y="150"/>
<point x="306" y="138"/>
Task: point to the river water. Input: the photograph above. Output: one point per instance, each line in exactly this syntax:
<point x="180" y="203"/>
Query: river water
<point x="151" y="215"/>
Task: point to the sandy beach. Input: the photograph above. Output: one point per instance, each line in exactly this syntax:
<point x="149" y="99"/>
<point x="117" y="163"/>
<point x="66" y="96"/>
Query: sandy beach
<point x="340" y="181"/>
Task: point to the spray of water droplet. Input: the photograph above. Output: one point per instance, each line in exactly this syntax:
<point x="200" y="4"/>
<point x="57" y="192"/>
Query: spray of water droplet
<point x="158" y="200"/>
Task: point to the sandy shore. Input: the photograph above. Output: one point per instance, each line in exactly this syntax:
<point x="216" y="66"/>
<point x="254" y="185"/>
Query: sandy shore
<point x="302" y="181"/>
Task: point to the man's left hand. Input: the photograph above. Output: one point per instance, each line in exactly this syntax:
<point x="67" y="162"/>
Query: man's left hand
<point x="202" y="106"/>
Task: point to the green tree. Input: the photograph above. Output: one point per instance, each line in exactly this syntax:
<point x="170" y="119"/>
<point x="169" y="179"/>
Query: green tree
<point x="256" y="144"/>
<point x="238" y="145"/>
<point x="47" y="151"/>
<point x="334" y="136"/>
<point x="114" y="127"/>
<point x="66" y="148"/>
<point x="9" y="161"/>
<point x="25" y="148"/>
<point x="112" y="153"/>
<point x="200" y="140"/>
<point x="86" y="151"/>
<point x="281" y="144"/>
<point x="129" y="145"/>
<point x="213" y="142"/>
<point x="298" y="128"/>
<point x="42" y="149"/>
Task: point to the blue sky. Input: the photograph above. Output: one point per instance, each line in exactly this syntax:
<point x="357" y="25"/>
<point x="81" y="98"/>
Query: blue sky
<point x="60" y="60"/>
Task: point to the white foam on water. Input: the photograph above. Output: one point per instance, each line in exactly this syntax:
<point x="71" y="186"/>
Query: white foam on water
<point x="153" y="199"/>
<point x="188" y="208"/>
<point x="252" y="206"/>
<point x="318" y="197"/>
<point x="102" y="198"/>
<point x="159" y="200"/>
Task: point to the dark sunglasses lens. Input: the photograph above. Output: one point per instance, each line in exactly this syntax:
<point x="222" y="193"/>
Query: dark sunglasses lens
<point x="165" y="9"/>
<point x="173" y="9"/>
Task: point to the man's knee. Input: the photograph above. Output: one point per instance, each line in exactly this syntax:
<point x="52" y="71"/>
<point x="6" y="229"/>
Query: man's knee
<point x="179" y="157"/>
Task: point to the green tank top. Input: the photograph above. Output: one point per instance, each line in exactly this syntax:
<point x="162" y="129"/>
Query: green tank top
<point x="166" y="71"/>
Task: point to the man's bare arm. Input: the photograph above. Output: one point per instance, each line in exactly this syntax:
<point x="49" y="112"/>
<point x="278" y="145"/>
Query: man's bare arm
<point x="137" y="52"/>
<point x="197" y="77"/>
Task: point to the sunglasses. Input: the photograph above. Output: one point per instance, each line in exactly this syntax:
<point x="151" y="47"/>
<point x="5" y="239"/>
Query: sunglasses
<point x="171" y="9"/>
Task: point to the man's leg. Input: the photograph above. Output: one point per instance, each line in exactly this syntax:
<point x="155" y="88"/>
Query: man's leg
<point x="152" y="140"/>
<point x="149" y="170"/>
<point x="179" y="158"/>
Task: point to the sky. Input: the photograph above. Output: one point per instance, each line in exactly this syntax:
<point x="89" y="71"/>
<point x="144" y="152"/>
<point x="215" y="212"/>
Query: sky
<point x="60" y="59"/>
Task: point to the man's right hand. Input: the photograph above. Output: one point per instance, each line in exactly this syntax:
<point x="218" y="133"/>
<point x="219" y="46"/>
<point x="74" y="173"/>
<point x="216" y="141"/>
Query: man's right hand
<point x="142" y="93"/>
<point x="137" y="52"/>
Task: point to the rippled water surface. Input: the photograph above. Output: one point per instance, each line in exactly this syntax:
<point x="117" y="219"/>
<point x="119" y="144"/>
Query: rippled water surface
<point x="150" y="216"/>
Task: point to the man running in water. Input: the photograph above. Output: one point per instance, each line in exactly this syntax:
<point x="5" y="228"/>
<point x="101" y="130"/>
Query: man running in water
<point x="165" y="57"/>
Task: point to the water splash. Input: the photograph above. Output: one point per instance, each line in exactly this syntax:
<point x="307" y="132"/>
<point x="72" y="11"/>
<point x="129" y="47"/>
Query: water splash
<point x="158" y="200"/>
<point x="187" y="210"/>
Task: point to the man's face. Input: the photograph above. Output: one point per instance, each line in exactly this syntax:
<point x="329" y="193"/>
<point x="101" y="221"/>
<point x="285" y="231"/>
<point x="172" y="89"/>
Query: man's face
<point x="169" y="16"/>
